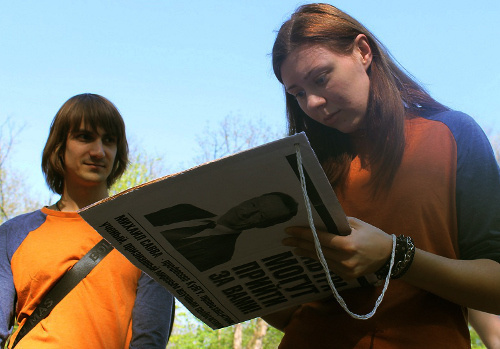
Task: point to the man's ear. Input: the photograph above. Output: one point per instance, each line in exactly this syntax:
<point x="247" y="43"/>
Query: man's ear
<point x="362" y="47"/>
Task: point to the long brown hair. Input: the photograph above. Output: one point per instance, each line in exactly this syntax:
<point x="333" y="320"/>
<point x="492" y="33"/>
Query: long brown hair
<point x="95" y="111"/>
<point x="394" y="95"/>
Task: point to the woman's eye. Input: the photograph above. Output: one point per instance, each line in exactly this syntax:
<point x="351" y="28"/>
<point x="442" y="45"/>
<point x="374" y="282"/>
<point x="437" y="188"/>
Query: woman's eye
<point x="300" y="94"/>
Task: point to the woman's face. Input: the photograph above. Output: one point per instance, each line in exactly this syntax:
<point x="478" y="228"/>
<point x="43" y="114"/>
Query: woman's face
<point x="330" y="88"/>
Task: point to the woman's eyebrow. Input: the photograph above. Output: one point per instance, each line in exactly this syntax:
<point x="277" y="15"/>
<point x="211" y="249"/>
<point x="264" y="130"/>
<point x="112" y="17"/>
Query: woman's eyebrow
<point x="304" y="78"/>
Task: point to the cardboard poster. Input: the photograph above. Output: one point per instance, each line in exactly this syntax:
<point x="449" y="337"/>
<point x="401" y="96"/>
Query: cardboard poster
<point x="212" y="234"/>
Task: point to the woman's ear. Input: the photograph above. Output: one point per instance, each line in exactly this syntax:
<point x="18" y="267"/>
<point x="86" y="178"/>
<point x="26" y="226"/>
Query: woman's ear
<point x="362" y="47"/>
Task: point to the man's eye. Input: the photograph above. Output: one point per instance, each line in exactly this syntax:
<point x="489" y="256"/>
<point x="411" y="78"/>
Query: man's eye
<point x="109" y="139"/>
<point x="83" y="137"/>
<point x="321" y="80"/>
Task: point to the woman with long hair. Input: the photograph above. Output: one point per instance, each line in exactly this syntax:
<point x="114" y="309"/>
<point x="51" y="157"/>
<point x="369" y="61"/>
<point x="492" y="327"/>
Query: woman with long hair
<point x="403" y="165"/>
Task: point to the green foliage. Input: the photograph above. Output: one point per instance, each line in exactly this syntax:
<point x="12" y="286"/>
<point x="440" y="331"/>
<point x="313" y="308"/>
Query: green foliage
<point x="475" y="341"/>
<point x="190" y="333"/>
<point x="14" y="329"/>
<point x="272" y="338"/>
<point x="142" y="168"/>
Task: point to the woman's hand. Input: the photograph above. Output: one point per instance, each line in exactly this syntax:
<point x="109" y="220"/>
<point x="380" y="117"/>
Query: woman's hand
<point x="471" y="283"/>
<point x="362" y="252"/>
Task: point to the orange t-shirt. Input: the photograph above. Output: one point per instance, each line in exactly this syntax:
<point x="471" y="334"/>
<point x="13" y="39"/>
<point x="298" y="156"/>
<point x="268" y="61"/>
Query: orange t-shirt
<point x="39" y="248"/>
<point x="432" y="186"/>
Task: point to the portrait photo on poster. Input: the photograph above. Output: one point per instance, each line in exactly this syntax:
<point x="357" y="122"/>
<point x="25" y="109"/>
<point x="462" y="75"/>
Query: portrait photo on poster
<point x="206" y="240"/>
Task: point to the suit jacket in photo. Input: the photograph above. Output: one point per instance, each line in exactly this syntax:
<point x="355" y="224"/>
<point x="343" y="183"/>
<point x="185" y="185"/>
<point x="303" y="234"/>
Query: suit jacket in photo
<point x="204" y="252"/>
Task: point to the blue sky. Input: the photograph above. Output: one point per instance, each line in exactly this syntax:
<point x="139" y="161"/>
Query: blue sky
<point x="172" y="66"/>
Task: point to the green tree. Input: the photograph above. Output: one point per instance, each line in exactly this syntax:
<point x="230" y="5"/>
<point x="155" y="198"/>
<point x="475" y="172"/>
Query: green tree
<point x="231" y="135"/>
<point x="14" y="195"/>
<point x="475" y="341"/>
<point x="142" y="168"/>
<point x="190" y="333"/>
<point x="234" y="134"/>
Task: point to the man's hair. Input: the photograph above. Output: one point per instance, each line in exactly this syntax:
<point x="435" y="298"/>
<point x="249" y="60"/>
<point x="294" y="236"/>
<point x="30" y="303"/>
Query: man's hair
<point x="394" y="95"/>
<point x="290" y="204"/>
<point x="94" y="111"/>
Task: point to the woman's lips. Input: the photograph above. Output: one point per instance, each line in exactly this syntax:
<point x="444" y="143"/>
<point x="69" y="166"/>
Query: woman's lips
<point x="331" y="116"/>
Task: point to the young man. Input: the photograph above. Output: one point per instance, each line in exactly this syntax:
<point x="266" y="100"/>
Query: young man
<point x="115" y="305"/>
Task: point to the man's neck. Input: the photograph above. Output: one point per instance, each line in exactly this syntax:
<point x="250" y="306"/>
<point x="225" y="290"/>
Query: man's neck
<point x="74" y="199"/>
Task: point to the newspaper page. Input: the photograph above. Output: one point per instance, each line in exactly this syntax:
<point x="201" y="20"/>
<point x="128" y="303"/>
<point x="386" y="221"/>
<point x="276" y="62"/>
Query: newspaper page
<point x="212" y="234"/>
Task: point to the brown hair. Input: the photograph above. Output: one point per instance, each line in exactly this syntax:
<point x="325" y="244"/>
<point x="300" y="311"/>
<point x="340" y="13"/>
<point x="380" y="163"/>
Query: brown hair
<point x="394" y="95"/>
<point x="95" y="111"/>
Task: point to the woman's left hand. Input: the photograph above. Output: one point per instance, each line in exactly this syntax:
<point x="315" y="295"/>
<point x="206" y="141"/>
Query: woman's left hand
<point x="362" y="252"/>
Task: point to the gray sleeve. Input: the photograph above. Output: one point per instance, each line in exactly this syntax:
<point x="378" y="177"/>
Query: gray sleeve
<point x="477" y="189"/>
<point x="152" y="316"/>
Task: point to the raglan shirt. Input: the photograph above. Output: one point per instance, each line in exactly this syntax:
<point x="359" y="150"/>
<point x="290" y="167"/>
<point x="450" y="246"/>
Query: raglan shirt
<point x="446" y="196"/>
<point x="114" y="306"/>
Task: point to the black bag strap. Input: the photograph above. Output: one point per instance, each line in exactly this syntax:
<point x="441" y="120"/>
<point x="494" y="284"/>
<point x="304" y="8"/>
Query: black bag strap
<point x="64" y="285"/>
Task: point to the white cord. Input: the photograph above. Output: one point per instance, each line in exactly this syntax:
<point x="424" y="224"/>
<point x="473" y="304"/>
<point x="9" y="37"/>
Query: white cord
<point x="321" y="257"/>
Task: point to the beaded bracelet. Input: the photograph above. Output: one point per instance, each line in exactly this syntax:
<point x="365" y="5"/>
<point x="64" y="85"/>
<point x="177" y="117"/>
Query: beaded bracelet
<point x="405" y="251"/>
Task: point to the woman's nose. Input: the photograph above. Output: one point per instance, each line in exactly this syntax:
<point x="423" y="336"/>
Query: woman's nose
<point x="315" y="101"/>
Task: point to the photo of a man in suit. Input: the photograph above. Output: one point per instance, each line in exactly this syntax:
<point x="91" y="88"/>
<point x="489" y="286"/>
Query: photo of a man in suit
<point x="207" y="242"/>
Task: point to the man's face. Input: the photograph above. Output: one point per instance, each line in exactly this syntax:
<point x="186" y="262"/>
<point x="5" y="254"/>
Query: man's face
<point x="254" y="212"/>
<point x="89" y="157"/>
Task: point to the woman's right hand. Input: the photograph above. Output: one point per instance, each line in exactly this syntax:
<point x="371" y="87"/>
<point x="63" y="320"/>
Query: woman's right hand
<point x="362" y="252"/>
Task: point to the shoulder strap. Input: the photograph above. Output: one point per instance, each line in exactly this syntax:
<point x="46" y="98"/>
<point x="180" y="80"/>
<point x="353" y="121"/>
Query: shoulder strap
<point x="65" y="284"/>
